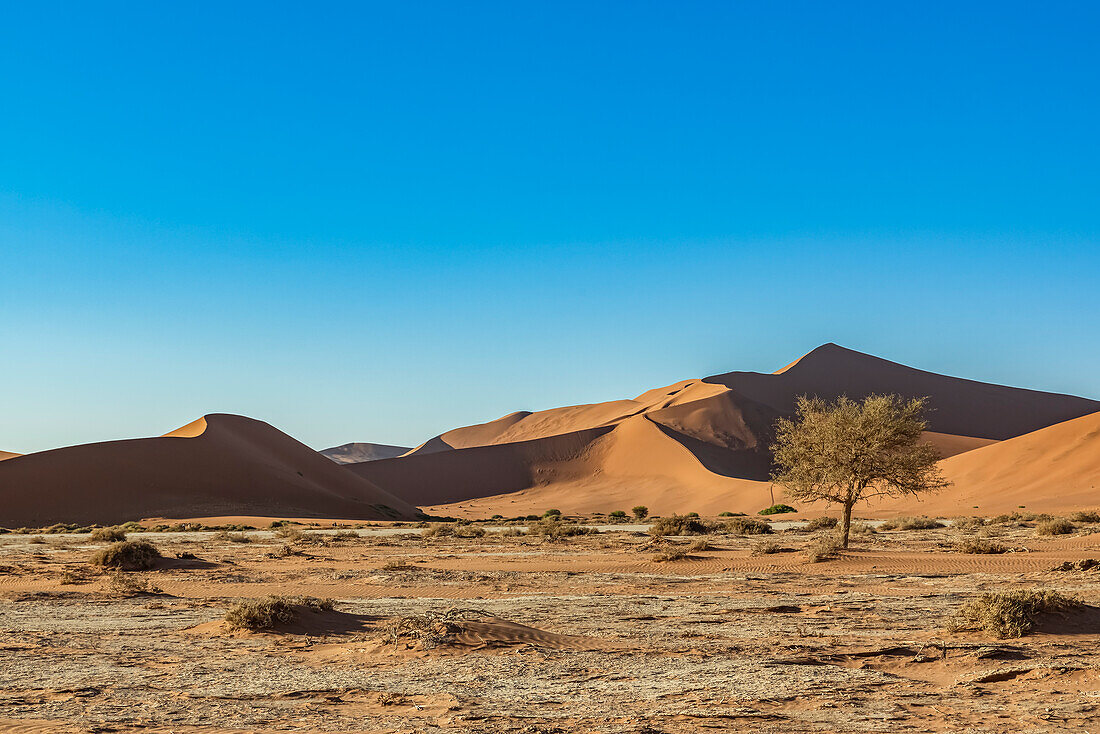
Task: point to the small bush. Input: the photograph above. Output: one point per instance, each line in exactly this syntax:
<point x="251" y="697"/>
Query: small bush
<point x="452" y="530"/>
<point x="911" y="523"/>
<point x="979" y="546"/>
<point x="861" y="528"/>
<point x="618" y="516"/>
<point x="672" y="554"/>
<point x="552" y="513"/>
<point x="1011" y="614"/>
<point x="821" y="523"/>
<point x="1055" y="526"/>
<point x="1090" y="516"/>
<point x="228" y="537"/>
<point x="108" y="535"/>
<point x="968" y="523"/>
<point x="746" y="526"/>
<point x="128" y="555"/>
<point x="288" y="532"/>
<point x="124" y="584"/>
<point x="823" y="549"/>
<point x="37" y="540"/>
<point x="553" y="528"/>
<point x="267" y="613"/>
<point x="641" y="512"/>
<point x="777" y="510"/>
<point x="700" y="545"/>
<point x="680" y="525"/>
<point x="767" y="548"/>
<point x="341" y="535"/>
<point x="727" y="513"/>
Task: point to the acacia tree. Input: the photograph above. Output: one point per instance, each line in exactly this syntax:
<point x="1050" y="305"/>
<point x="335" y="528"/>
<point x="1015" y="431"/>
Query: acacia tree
<point x="851" y="450"/>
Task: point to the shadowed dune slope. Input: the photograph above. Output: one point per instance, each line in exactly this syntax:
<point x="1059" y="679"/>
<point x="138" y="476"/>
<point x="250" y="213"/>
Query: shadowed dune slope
<point x="351" y="453"/>
<point x="959" y="407"/>
<point x="695" y="444"/>
<point x="217" y="465"/>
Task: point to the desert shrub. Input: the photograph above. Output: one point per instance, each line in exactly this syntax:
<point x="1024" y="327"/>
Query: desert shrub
<point x="681" y="525"/>
<point x="341" y="535"/>
<point x="823" y="549"/>
<point x="767" y="548"/>
<point x="1016" y="518"/>
<point x="1085" y="516"/>
<point x="727" y="513"/>
<point x="452" y="530"/>
<point x="978" y="546"/>
<point x="911" y="523"/>
<point x="968" y="523"/>
<point x="553" y="529"/>
<point x="228" y="537"/>
<point x="266" y="613"/>
<point x="552" y="513"/>
<point x="288" y="532"/>
<point x="512" y="532"/>
<point x="821" y="523"/>
<point x="746" y="526"/>
<point x="618" y="516"/>
<point x="640" y="512"/>
<point x="128" y="555"/>
<point x="1055" y="526"/>
<point x="702" y="544"/>
<point x="37" y="539"/>
<point x="1011" y="614"/>
<point x="670" y="554"/>
<point x="777" y="509"/>
<point x="861" y="528"/>
<point x="127" y="584"/>
<point x="108" y="535"/>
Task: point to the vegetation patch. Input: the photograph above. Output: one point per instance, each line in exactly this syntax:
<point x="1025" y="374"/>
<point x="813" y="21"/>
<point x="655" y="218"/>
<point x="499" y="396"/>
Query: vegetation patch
<point x="777" y="510"/>
<point x="825" y="548"/>
<point x="821" y="523"/>
<point x="911" y="523"/>
<point x="1088" y="516"/>
<point x="112" y="534"/>
<point x="681" y="525"/>
<point x="981" y="546"/>
<point x="127" y="555"/>
<point x="1055" y="526"/>
<point x="1011" y="614"/>
<point x="272" y="611"/>
<point x="746" y="526"/>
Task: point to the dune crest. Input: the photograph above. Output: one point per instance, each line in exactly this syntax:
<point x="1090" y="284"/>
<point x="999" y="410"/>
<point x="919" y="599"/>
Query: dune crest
<point x="8" y="455"/>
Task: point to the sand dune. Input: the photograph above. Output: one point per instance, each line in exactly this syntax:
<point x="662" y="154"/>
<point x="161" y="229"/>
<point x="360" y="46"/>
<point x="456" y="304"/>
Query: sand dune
<point x="8" y="455"/>
<point x="351" y="453"/>
<point x="696" y="445"/>
<point x="217" y="465"/>
<point x="1050" y="470"/>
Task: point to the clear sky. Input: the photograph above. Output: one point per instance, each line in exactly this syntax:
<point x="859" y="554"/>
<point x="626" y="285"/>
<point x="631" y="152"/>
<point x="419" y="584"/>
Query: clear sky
<point x="379" y="221"/>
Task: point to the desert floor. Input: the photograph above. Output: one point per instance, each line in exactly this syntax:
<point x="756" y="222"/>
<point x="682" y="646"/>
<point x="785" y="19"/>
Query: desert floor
<point x="581" y="634"/>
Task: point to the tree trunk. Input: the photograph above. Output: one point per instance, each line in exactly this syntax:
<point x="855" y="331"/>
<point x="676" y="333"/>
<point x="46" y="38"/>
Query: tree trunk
<point x="846" y="524"/>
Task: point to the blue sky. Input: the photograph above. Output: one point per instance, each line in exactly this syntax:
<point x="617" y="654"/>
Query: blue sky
<point x="378" y="221"/>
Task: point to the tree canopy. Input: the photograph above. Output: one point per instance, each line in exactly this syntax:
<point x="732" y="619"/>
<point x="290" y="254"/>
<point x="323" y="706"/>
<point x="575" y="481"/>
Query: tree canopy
<point x="850" y="450"/>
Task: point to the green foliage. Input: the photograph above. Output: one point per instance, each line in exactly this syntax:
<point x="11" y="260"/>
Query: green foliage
<point x="776" y="510"/>
<point x="641" y="512"/>
<point x="849" y="450"/>
<point x="618" y="516"/>
<point x="129" y="555"/>
<point x="1011" y="614"/>
<point x="552" y="513"/>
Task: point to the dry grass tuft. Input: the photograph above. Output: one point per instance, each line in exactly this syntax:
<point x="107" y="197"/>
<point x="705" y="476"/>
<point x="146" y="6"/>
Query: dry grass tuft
<point x="269" y="612"/>
<point x="1011" y="614"/>
<point x="125" y="584"/>
<point x="821" y="523"/>
<point x="431" y="629"/>
<point x="113" y="534"/>
<point x="452" y="530"/>
<point x="911" y="523"/>
<point x="1055" y="526"/>
<point x="128" y="555"/>
<point x="767" y="548"/>
<point x="825" y="548"/>
<point x="746" y="526"/>
<point x="981" y="546"/>
<point x="1087" y="516"/>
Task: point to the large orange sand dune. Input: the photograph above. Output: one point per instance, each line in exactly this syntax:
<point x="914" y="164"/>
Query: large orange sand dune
<point x="217" y="465"/>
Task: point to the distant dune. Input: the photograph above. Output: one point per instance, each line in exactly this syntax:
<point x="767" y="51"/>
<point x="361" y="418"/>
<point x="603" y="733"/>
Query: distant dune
<point x="8" y="455"/>
<point x="217" y="465"/>
<point x="351" y="453"/>
<point x="697" y="445"/>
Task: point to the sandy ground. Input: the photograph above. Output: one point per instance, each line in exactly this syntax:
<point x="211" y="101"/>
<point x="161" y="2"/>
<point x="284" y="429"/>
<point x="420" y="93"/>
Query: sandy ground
<point x="586" y="634"/>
